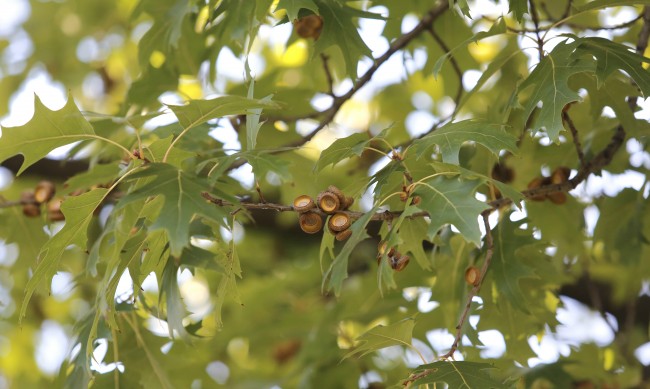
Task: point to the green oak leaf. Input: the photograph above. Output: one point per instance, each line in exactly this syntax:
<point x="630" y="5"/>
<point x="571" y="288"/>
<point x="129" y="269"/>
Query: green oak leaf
<point x="548" y="84"/>
<point x="457" y="375"/>
<point x="155" y="152"/>
<point x="378" y="337"/>
<point x="518" y="9"/>
<point x="173" y="301"/>
<point x="182" y="201"/>
<point x="598" y="4"/>
<point x="506" y="267"/>
<point x="338" y="270"/>
<point x="97" y="175"/>
<point x="196" y="112"/>
<point x="46" y="131"/>
<point x="612" y="56"/>
<point x="452" y="201"/>
<point x="78" y="212"/>
<point x="293" y="6"/>
<point x="339" y="30"/>
<point x="341" y="149"/>
<point x="450" y="137"/>
<point x="411" y="232"/>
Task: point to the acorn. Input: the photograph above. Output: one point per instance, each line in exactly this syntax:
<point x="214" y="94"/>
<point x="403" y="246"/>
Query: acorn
<point x="44" y="191"/>
<point x="348" y="202"/>
<point x="30" y="208"/>
<point x="310" y="222"/>
<point x="403" y="196"/>
<point x="536" y="183"/>
<point x="343" y="235"/>
<point x="309" y="26"/>
<point x="472" y="276"/>
<point x="560" y="175"/>
<point x="399" y="262"/>
<point x="54" y="210"/>
<point x="338" y="222"/>
<point x="303" y="203"/>
<point x="557" y="197"/>
<point x="503" y="173"/>
<point x="416" y="200"/>
<point x="328" y="202"/>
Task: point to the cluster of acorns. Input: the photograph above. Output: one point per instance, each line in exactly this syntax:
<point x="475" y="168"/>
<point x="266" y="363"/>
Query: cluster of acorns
<point x="43" y="193"/>
<point x="560" y="175"/>
<point x="330" y="201"/>
<point x="396" y="260"/>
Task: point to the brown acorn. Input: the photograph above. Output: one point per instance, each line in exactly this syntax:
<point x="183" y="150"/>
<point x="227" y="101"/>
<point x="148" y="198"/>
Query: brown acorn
<point x="503" y="173"/>
<point x="416" y="200"/>
<point x="54" y="210"/>
<point x="399" y="261"/>
<point x="310" y="222"/>
<point x="343" y="235"/>
<point x="30" y="208"/>
<point x="44" y="191"/>
<point x="309" y="26"/>
<point x="472" y="276"/>
<point x="348" y="202"/>
<point x="303" y="203"/>
<point x="557" y="197"/>
<point x="536" y="183"/>
<point x="560" y="175"/>
<point x="328" y="202"/>
<point x="403" y="196"/>
<point x="338" y="222"/>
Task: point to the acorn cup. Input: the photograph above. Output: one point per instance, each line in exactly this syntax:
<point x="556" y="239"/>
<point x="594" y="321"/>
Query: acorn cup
<point x="310" y="222"/>
<point x="343" y="235"/>
<point x="303" y="203"/>
<point x="54" y="210"/>
<point x="472" y="276"/>
<point x="328" y="202"/>
<point x="560" y="175"/>
<point x="338" y="222"/>
<point x="309" y="26"/>
<point x="30" y="208"/>
<point x="399" y="261"/>
<point x="44" y="191"/>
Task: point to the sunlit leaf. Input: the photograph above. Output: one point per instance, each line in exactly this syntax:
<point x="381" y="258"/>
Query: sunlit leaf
<point x="293" y="6"/>
<point x="46" y="131"/>
<point x="398" y="334"/>
<point x="457" y="374"/>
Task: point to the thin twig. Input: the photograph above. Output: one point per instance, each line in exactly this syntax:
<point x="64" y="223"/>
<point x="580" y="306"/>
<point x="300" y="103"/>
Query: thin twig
<point x="574" y="134"/>
<point x="535" y="17"/>
<point x="489" y="244"/>
<point x="328" y="74"/>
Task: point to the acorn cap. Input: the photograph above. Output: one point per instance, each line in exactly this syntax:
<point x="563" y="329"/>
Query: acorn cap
<point x="44" y="191"/>
<point x="310" y="222"/>
<point x="328" y="202"/>
<point x="472" y="276"/>
<point x="31" y="210"/>
<point x="557" y="197"/>
<point x="309" y="26"/>
<point x="54" y="210"/>
<point x="303" y="203"/>
<point x="338" y="193"/>
<point x="399" y="262"/>
<point x="343" y="235"/>
<point x="338" y="222"/>
<point x="536" y="183"/>
<point x="348" y="202"/>
<point x="560" y="174"/>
